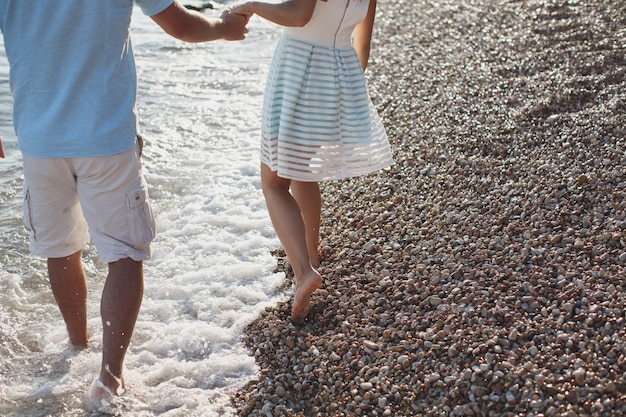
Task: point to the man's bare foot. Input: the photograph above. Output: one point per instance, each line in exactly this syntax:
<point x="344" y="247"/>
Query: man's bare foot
<point x="302" y="296"/>
<point x="81" y="341"/>
<point x="105" y="389"/>
<point x="99" y="396"/>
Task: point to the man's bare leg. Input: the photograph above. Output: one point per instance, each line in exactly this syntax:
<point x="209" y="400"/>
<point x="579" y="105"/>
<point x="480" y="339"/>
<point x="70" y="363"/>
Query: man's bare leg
<point x="120" y="304"/>
<point x="69" y="286"/>
<point x="309" y="199"/>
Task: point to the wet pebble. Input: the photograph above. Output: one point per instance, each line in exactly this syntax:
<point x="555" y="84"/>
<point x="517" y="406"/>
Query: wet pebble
<point x="483" y="273"/>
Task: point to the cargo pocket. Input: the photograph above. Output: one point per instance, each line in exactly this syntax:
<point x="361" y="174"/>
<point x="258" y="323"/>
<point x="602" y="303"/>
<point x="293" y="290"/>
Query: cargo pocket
<point x="26" y="214"/>
<point x="139" y="145"/>
<point x="143" y="228"/>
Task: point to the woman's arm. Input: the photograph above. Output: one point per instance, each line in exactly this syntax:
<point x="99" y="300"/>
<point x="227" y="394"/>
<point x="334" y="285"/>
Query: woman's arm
<point x="362" y="36"/>
<point x="288" y="13"/>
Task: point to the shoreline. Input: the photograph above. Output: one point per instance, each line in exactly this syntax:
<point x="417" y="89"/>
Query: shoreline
<point x="483" y="273"/>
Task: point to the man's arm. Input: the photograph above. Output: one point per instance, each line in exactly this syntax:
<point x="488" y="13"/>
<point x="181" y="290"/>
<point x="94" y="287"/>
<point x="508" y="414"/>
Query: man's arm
<point x="191" y="26"/>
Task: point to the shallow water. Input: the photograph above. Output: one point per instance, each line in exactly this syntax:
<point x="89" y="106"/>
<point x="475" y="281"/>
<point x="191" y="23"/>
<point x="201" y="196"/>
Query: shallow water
<point x="211" y="272"/>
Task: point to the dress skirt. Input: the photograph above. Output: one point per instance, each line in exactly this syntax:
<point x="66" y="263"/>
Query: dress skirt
<point x="318" y="121"/>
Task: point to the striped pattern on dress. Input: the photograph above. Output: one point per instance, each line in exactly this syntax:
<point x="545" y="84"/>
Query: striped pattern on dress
<point x="318" y="120"/>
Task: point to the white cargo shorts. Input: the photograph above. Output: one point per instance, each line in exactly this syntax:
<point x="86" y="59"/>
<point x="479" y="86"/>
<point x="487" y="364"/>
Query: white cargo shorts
<point x="67" y="200"/>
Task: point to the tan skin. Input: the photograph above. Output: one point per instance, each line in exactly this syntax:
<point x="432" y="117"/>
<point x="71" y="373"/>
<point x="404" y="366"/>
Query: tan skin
<point x="295" y="206"/>
<point x="191" y="26"/>
<point x="362" y="39"/>
<point x="123" y="289"/>
<point x="119" y="308"/>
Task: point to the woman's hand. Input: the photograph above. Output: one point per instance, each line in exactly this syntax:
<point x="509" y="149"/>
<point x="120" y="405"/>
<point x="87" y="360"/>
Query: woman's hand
<point x="243" y="9"/>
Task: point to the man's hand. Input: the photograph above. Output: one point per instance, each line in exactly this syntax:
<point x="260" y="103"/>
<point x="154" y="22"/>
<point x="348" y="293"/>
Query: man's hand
<point x="234" y="28"/>
<point x="191" y="26"/>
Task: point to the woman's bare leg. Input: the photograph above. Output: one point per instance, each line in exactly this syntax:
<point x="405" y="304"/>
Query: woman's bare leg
<point x="309" y="199"/>
<point x="286" y="217"/>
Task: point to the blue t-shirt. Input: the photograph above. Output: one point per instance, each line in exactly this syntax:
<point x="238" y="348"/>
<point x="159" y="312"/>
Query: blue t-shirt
<point x="72" y="75"/>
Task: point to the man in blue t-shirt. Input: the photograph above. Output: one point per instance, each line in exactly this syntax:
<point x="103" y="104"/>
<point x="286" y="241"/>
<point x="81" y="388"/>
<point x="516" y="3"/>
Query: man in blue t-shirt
<point x="73" y="83"/>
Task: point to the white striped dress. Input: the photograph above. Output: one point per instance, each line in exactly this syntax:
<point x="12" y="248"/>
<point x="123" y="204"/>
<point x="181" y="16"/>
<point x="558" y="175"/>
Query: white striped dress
<point x="318" y="120"/>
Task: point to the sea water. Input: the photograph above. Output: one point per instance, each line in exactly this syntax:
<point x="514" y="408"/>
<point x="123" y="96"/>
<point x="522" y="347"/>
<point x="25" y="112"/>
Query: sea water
<point x="212" y="272"/>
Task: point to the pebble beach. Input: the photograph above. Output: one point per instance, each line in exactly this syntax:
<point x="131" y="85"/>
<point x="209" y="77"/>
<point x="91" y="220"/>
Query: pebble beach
<point x="483" y="274"/>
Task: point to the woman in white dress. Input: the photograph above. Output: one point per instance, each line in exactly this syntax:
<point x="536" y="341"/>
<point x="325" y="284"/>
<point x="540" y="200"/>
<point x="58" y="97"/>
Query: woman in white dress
<point x="318" y="121"/>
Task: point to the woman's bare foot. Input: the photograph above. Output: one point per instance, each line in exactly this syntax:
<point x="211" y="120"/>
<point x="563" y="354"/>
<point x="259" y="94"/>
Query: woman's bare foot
<point x="315" y="260"/>
<point x="302" y="296"/>
<point x="314" y="256"/>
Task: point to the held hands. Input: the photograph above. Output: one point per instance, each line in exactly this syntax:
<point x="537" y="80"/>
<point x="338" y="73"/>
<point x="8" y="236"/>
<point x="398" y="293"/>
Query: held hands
<point x="243" y="9"/>
<point x="234" y="25"/>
